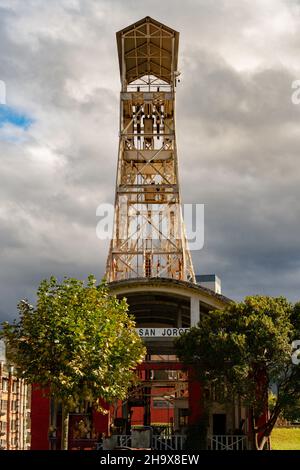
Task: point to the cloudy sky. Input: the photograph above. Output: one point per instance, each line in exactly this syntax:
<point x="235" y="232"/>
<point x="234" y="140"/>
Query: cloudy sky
<point x="238" y="137"/>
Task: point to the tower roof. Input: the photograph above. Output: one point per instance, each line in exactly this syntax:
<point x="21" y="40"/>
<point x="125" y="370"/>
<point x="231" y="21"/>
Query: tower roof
<point x="147" y="47"/>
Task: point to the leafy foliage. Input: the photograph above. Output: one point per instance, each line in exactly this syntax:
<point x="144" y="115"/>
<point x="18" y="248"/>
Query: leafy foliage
<point x="290" y="412"/>
<point x="247" y="347"/>
<point x="78" y="342"/>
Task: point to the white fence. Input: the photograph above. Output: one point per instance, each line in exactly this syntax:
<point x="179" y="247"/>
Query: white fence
<point x="174" y="442"/>
<point x="177" y="442"/>
<point x="227" y="442"/>
<point x="114" y="441"/>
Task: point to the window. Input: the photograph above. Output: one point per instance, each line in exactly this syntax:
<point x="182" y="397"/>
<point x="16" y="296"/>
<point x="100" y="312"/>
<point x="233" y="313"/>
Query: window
<point x="14" y="405"/>
<point x="218" y="391"/>
<point x="13" y="425"/>
<point x="3" y="443"/>
<point x="161" y="403"/>
<point x="2" y="426"/>
<point x="4" y="385"/>
<point x="3" y="405"/>
<point x="183" y="415"/>
<point x="15" y="386"/>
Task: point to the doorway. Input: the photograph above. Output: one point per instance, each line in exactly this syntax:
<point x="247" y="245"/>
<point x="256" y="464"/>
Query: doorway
<point x="219" y="424"/>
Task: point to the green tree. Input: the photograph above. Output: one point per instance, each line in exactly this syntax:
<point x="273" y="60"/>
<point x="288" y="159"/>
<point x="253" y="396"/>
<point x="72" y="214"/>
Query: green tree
<point x="290" y="412"/>
<point x="247" y="347"/>
<point x="79" y="343"/>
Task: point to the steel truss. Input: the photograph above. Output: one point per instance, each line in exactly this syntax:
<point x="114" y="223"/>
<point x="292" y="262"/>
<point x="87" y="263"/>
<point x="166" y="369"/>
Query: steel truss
<point x="149" y="236"/>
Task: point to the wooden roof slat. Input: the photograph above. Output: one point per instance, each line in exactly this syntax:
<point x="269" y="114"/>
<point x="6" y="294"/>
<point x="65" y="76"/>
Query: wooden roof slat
<point x="153" y="36"/>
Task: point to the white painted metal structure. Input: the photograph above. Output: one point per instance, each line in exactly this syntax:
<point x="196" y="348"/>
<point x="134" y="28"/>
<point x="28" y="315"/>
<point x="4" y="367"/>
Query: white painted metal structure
<point x="227" y="442"/>
<point x="149" y="236"/>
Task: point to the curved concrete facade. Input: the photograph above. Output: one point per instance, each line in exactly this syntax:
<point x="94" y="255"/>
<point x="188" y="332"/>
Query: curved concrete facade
<point x="199" y="298"/>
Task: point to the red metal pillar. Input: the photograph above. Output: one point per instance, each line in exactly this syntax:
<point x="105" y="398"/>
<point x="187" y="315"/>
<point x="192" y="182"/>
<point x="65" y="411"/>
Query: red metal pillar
<point x="195" y="398"/>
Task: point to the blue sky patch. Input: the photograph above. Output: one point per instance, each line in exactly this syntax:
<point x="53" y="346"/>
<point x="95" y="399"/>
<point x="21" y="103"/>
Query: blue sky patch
<point x="10" y="115"/>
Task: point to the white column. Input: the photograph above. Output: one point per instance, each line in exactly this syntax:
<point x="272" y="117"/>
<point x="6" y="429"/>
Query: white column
<point x="195" y="310"/>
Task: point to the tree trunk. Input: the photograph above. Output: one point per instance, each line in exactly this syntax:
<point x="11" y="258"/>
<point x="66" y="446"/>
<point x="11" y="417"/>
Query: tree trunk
<point x="64" y="428"/>
<point x="53" y="425"/>
<point x="253" y="435"/>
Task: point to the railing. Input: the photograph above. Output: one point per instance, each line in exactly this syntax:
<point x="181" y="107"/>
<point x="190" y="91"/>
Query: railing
<point x="227" y="442"/>
<point x="174" y="442"/>
<point x="124" y="440"/>
<point x="116" y="440"/>
<point x="177" y="442"/>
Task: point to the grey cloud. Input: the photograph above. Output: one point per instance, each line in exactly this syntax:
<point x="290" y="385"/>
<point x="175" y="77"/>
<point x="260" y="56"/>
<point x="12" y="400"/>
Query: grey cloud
<point x="238" y="138"/>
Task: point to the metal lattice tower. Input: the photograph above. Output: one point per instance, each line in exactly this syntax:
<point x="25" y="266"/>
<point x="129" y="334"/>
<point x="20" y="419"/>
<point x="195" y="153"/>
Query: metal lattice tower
<point x="149" y="236"/>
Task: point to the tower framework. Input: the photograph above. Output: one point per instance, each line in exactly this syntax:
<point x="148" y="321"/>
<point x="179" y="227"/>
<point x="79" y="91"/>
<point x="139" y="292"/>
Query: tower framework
<point x="149" y="236"/>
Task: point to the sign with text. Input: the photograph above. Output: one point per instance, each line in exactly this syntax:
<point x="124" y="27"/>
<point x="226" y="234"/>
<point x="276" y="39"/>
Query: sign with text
<point x="160" y="332"/>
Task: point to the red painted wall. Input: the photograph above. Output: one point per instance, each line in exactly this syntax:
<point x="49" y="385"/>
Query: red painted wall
<point x="40" y="415"/>
<point x="158" y="415"/>
<point x="40" y="407"/>
<point x="40" y="418"/>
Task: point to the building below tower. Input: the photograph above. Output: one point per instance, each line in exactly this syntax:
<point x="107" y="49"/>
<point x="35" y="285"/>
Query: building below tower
<point x="169" y="401"/>
<point x="14" y="408"/>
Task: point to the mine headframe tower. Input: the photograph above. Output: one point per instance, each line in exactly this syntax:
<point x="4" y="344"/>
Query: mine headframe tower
<point x="149" y="236"/>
